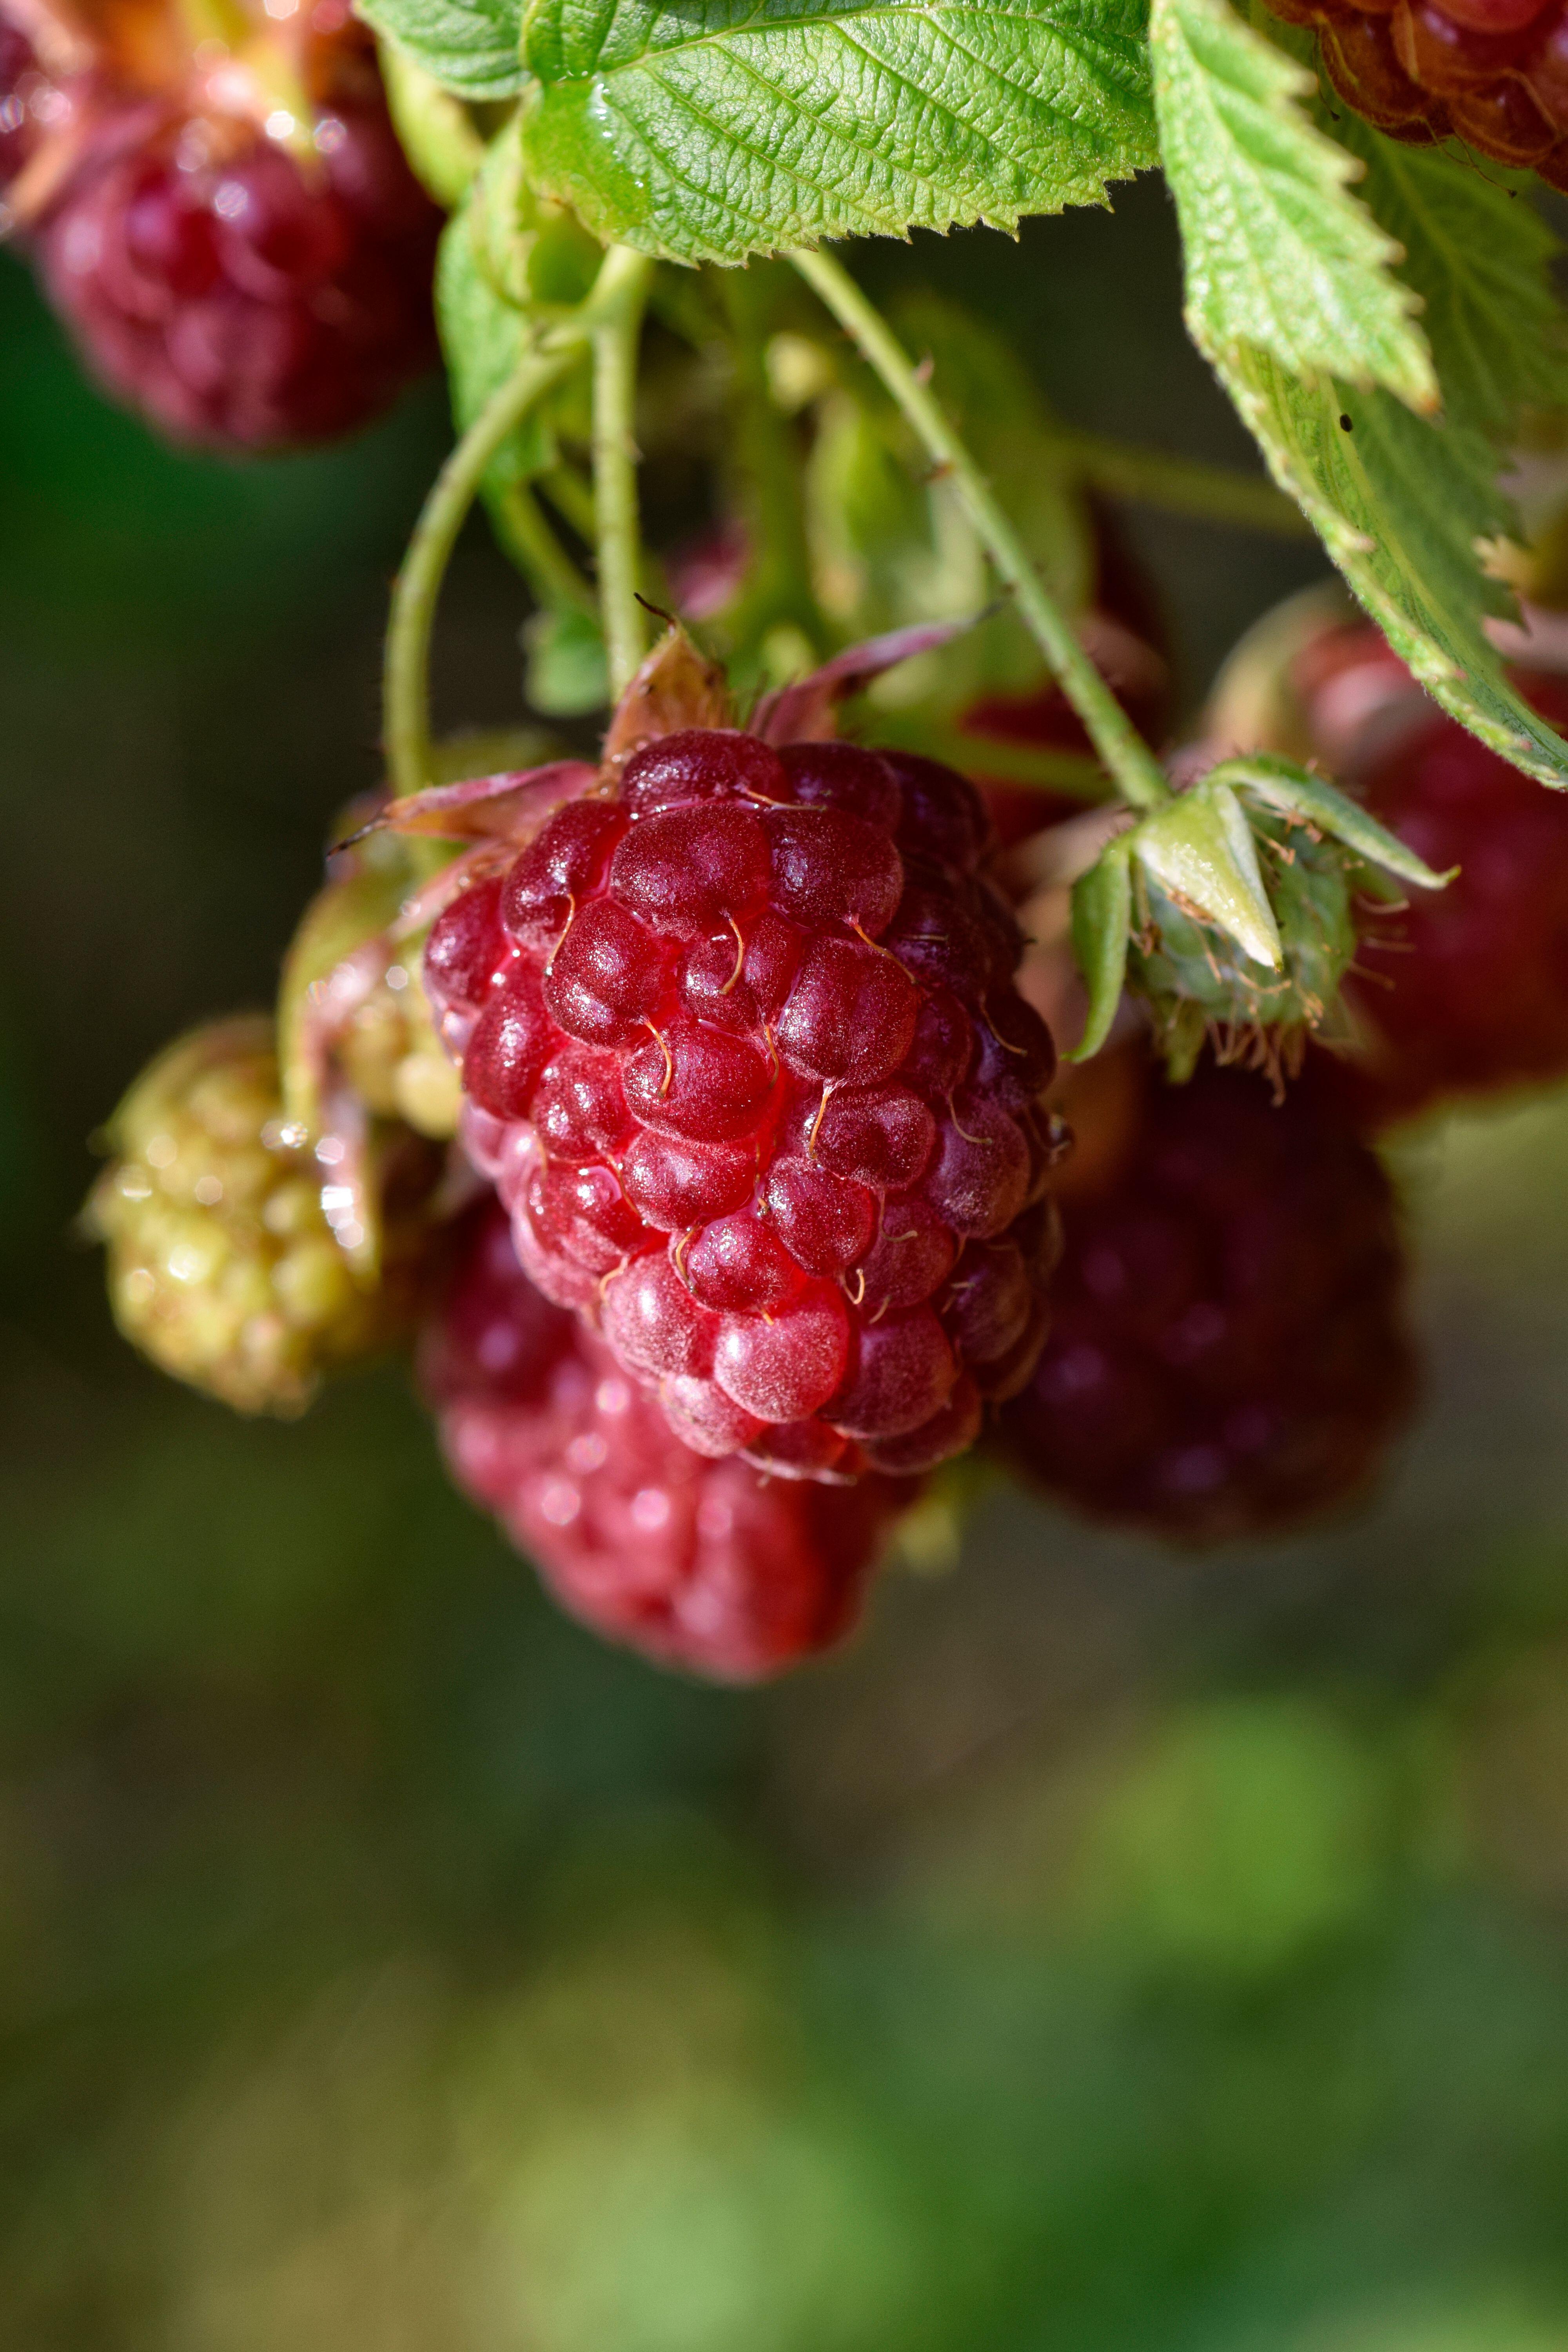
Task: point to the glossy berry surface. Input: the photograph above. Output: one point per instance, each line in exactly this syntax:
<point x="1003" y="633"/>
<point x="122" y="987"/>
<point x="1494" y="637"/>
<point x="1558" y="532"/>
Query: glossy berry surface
<point x="1492" y="72"/>
<point x="1465" y="989"/>
<point x="234" y="293"/>
<point x="742" y="1050"/>
<point x="223" y="1266"/>
<point x="701" y="1564"/>
<point x="1227" y="1355"/>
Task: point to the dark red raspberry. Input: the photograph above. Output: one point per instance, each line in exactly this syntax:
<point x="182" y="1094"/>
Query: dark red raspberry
<point x="1492" y="72"/>
<point x="743" y="1052"/>
<point x="702" y="1564"/>
<point x="1226" y="1354"/>
<point x="234" y="293"/>
<point x="1465" y="989"/>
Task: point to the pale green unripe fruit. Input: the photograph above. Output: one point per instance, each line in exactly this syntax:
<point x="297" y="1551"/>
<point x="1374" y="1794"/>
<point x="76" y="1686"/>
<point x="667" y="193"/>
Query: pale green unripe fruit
<point x="223" y="1268"/>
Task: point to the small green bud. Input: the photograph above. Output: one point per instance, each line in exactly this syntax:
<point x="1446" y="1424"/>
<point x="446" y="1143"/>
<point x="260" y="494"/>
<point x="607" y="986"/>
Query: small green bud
<point x="1232" y="912"/>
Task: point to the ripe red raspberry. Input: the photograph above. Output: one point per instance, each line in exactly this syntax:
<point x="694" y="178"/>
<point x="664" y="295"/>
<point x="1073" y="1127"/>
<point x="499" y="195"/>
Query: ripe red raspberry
<point x="701" y="1564"/>
<point x="743" y="1052"/>
<point x="1465" y="989"/>
<point x="1226" y="1354"/>
<point x="234" y="293"/>
<point x="1492" y="72"/>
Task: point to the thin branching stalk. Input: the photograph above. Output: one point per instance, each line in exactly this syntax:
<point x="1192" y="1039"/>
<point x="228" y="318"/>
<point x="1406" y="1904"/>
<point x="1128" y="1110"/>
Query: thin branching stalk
<point x="407" y="679"/>
<point x="1112" y="733"/>
<point x="538" y="553"/>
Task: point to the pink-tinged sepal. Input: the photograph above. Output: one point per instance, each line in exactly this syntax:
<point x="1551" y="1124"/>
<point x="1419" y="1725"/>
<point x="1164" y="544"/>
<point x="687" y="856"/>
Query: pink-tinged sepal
<point x="507" y="808"/>
<point x="807" y="712"/>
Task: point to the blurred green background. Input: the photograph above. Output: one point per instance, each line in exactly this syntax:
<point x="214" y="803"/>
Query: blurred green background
<point x="1110" y="1950"/>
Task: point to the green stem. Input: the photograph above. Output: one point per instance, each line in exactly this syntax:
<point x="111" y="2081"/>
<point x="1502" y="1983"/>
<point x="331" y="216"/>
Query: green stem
<point x="538" y="553"/>
<point x="616" y="339"/>
<point x="1182" y="485"/>
<point x="572" y="496"/>
<point x="406" y="678"/>
<point x="1118" y="742"/>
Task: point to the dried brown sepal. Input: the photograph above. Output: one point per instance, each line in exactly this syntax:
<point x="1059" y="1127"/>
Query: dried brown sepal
<point x="675" y="688"/>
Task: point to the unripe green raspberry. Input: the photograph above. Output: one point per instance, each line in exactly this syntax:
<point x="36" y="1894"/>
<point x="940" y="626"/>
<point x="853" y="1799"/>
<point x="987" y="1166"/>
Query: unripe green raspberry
<point x="352" y="1011"/>
<point x="223" y="1267"/>
<point x="390" y="1054"/>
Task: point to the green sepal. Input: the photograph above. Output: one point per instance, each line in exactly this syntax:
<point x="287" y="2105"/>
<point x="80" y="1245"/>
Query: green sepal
<point x="1183" y="1032"/>
<point x="1101" y="927"/>
<point x="1201" y="851"/>
<point x="1194" y="978"/>
<point x="1296" y="791"/>
<point x="1182" y="911"/>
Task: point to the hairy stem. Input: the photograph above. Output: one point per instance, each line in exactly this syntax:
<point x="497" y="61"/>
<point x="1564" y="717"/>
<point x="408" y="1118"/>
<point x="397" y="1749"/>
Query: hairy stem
<point x="1118" y="742"/>
<point x="616" y="338"/>
<point x="1182" y="485"/>
<point x="407" y="678"/>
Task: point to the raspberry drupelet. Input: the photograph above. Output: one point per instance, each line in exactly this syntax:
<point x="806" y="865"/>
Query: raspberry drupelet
<point x="699" y="1564"/>
<point x="1492" y="72"/>
<point x="742" y="1050"/>
<point x="1228" y="1356"/>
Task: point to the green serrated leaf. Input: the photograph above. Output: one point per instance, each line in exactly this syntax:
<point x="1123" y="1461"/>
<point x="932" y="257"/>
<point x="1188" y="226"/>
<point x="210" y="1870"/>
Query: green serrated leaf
<point x="1201" y="851"/>
<point x="725" y="128"/>
<point x="1101" y="927"/>
<point x="1401" y="505"/>
<point x="468" y="45"/>
<point x="1279" y="255"/>
<point x="1478" y="255"/>
<point x="1295" y="790"/>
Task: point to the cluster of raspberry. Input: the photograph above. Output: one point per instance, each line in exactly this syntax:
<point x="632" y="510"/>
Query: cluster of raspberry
<point x="766" y="1208"/>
